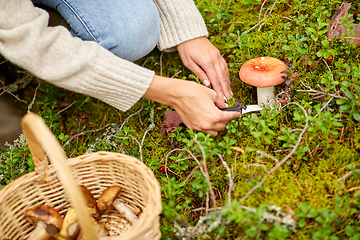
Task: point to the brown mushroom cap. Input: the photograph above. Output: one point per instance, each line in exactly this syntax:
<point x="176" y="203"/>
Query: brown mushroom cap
<point x="263" y="72"/>
<point x="46" y="214"/>
<point x="107" y="198"/>
<point x="91" y="202"/>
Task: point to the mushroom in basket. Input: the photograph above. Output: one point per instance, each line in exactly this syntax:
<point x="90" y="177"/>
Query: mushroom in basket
<point x="47" y="220"/>
<point x="71" y="227"/>
<point x="108" y="198"/>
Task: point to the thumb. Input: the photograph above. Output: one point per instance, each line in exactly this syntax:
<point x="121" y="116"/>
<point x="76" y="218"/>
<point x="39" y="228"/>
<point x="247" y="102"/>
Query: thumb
<point x="228" y="116"/>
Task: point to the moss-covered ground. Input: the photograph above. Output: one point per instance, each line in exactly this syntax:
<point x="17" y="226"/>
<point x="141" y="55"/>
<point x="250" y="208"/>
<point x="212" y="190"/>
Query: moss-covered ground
<point x="289" y="172"/>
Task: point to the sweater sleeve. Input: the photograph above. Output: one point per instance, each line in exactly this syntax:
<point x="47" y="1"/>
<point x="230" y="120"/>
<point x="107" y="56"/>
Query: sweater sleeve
<point x="180" y="21"/>
<point x="52" y="54"/>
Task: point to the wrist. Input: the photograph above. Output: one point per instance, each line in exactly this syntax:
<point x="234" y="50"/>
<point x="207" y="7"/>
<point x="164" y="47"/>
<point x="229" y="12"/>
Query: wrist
<point x="164" y="90"/>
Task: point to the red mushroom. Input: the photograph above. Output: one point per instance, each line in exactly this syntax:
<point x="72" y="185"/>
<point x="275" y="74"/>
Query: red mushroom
<point x="263" y="73"/>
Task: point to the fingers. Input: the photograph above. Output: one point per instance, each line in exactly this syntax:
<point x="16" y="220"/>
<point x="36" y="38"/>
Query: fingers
<point x="216" y="77"/>
<point x="217" y="74"/>
<point x="216" y="124"/>
<point x="225" y="85"/>
<point x="204" y="60"/>
<point x="198" y="71"/>
<point x="214" y="71"/>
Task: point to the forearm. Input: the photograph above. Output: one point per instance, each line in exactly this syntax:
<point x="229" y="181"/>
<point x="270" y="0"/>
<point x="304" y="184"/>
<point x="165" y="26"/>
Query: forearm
<point x="52" y="54"/>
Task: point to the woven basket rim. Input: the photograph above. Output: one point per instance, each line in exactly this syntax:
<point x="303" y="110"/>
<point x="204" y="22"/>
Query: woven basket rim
<point x="149" y="220"/>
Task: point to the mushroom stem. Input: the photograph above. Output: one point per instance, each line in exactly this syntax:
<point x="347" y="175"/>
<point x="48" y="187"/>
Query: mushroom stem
<point x="39" y="233"/>
<point x="125" y="211"/>
<point x="264" y="94"/>
<point x="47" y="220"/>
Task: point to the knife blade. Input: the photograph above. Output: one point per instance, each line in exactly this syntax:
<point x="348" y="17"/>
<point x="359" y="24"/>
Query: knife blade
<point x="243" y="108"/>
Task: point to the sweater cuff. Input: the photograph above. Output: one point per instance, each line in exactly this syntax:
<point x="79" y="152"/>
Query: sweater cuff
<point x="181" y="21"/>
<point x="115" y="81"/>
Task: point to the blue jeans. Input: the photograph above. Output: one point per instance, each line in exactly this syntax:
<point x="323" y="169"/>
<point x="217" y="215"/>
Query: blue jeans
<point x="128" y="28"/>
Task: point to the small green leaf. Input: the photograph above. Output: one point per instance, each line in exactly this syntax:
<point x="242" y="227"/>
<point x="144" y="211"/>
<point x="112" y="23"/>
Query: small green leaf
<point x="349" y="231"/>
<point x="320" y="53"/>
<point x="313" y="213"/>
<point x="344" y="108"/>
<point x="299" y="214"/>
<point x="301" y="223"/>
<point x="311" y="30"/>
<point x="341" y="101"/>
<point x="231" y="28"/>
<point x="286" y="47"/>
<point x="233" y="45"/>
<point x="356" y="114"/>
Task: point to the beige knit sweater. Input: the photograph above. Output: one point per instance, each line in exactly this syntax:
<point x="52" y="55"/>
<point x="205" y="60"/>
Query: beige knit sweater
<point x="52" y="54"/>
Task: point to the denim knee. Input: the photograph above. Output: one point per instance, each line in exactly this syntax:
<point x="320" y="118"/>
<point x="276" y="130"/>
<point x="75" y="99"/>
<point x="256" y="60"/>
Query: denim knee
<point x="129" y="29"/>
<point x="136" y="37"/>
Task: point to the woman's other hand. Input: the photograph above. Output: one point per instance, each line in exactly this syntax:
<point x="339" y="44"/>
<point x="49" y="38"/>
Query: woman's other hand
<point x="201" y="57"/>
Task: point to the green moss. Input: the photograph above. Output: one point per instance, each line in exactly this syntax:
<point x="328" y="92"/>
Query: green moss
<point x="309" y="176"/>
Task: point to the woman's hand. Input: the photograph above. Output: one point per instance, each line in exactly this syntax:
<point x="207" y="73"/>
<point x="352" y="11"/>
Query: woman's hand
<point x="197" y="106"/>
<point x="204" y="60"/>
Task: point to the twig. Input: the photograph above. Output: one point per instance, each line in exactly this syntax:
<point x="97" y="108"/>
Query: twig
<point x="33" y="100"/>
<point x="265" y="16"/>
<point x="182" y="159"/>
<point x="325" y="105"/>
<point x="138" y="143"/>
<point x="197" y="161"/>
<point x="347" y="174"/>
<point x="277" y="165"/>
<point x="256" y="165"/>
<point x="148" y="129"/>
<point x="319" y="94"/>
<point x="287" y="18"/>
<point x="267" y="155"/>
<point x="135" y="113"/>
<point x="279" y="216"/>
<point x="176" y="74"/>
<point x="210" y="209"/>
<point x="206" y="175"/>
<point x="8" y="87"/>
<point x="192" y="172"/>
<point x="66" y="108"/>
<point x="14" y="96"/>
<point x="230" y="180"/>
<point x="328" y="69"/>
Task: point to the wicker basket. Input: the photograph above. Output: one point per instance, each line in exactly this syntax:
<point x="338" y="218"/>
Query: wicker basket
<point x="57" y="184"/>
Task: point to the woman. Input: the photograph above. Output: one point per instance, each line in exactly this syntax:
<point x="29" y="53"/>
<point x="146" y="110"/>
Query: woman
<point x="95" y="57"/>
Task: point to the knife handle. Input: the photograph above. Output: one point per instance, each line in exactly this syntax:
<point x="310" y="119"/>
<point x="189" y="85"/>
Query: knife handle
<point x="231" y="109"/>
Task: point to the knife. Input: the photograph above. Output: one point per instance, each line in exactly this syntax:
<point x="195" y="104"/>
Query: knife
<point x="238" y="108"/>
<point x="243" y="108"/>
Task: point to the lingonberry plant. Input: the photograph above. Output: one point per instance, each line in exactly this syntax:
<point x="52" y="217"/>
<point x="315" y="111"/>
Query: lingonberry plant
<point x="290" y="171"/>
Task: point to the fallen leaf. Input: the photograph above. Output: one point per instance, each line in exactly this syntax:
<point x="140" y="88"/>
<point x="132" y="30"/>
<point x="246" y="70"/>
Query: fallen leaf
<point x="291" y="212"/>
<point x="238" y="149"/>
<point x="335" y="29"/>
<point x="171" y="122"/>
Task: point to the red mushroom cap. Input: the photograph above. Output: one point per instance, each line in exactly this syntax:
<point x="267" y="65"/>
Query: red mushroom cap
<point x="263" y="72"/>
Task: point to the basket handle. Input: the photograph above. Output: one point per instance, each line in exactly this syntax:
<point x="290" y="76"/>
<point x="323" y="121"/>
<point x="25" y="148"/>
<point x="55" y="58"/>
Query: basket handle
<point x="38" y="135"/>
